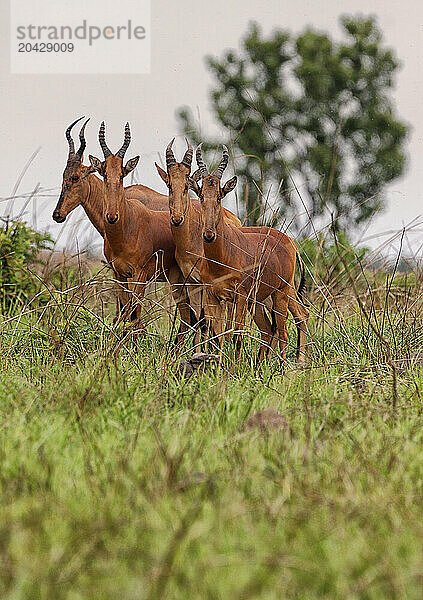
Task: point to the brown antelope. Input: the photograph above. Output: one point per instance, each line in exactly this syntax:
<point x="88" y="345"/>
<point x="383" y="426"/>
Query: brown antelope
<point x="246" y="267"/>
<point x="185" y="219"/>
<point x="138" y="242"/>
<point x="81" y="187"/>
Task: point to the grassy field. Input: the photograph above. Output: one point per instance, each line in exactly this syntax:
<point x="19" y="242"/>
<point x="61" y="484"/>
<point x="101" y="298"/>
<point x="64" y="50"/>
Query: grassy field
<point x="120" y="479"/>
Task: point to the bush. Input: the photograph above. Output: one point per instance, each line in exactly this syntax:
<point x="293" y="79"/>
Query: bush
<point x="19" y="249"/>
<point x="326" y="262"/>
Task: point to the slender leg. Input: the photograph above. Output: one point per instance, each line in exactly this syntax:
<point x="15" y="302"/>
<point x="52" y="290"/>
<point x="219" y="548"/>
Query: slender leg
<point x="136" y="290"/>
<point x="214" y="313"/>
<point x="280" y="305"/>
<point x="196" y="292"/>
<point x="240" y="307"/>
<point x="231" y="320"/>
<point x="122" y="299"/>
<point x="300" y="314"/>
<point x="183" y="304"/>
<point x="266" y="329"/>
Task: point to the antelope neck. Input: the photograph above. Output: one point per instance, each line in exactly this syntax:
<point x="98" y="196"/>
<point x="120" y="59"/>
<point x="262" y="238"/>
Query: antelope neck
<point x="184" y="234"/>
<point x="93" y="203"/>
<point x="115" y="232"/>
<point x="217" y="251"/>
<point x="122" y="235"/>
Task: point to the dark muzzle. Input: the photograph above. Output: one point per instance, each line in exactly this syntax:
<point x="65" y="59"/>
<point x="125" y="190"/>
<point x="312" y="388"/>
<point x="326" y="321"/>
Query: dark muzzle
<point x="209" y="237"/>
<point x="58" y="217"/>
<point x="176" y="222"/>
<point x="111" y="219"/>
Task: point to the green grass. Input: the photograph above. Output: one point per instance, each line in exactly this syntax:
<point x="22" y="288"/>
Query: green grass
<point x="120" y="480"/>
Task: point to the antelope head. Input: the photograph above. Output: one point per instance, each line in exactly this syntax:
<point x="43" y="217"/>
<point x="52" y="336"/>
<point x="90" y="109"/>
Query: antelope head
<point x="211" y="192"/>
<point x="176" y="178"/>
<point x="113" y="171"/>
<point x="74" y="176"/>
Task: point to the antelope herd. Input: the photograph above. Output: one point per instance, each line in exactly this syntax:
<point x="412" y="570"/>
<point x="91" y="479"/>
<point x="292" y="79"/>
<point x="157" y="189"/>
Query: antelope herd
<point x="217" y="269"/>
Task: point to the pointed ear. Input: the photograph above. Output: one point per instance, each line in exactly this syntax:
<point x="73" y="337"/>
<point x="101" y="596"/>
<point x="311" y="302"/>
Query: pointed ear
<point x="96" y="164"/>
<point x="88" y="171"/>
<point x="193" y="185"/>
<point x="130" y="165"/>
<point x="229" y="186"/>
<point x="162" y="174"/>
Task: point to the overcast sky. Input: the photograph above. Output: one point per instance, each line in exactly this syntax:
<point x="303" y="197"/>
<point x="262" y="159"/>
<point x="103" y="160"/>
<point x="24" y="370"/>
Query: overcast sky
<point x="35" y="109"/>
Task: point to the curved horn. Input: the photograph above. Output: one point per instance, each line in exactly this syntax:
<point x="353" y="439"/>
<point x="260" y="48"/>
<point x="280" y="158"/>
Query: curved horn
<point x="200" y="162"/>
<point x="102" y="139"/>
<point x="82" y="139"/>
<point x="170" y="157"/>
<point x="196" y="176"/>
<point x="69" y="137"/>
<point x="187" y="160"/>
<point x="126" y="142"/>
<point x="223" y="163"/>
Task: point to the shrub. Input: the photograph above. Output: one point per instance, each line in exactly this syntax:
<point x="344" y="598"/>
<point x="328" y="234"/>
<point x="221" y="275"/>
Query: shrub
<point x="326" y="262"/>
<point x="19" y="249"/>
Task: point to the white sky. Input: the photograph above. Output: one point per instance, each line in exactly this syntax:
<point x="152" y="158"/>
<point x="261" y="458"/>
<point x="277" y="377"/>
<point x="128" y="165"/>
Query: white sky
<point x="35" y="109"/>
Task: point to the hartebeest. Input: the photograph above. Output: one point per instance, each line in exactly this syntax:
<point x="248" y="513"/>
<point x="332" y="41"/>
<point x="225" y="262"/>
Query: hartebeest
<point x="80" y="187"/>
<point x="185" y="219"/>
<point x="246" y="266"/>
<point x="138" y="242"/>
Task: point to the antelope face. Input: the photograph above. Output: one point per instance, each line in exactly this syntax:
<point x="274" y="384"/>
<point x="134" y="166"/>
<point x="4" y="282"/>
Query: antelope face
<point x="210" y="207"/>
<point x="113" y="172"/>
<point x="74" y="177"/>
<point x="177" y="181"/>
<point x="73" y="191"/>
<point x="211" y="193"/>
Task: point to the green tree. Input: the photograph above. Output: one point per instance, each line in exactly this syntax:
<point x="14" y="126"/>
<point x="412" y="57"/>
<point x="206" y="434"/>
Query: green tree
<point x="310" y="121"/>
<point x="19" y="249"/>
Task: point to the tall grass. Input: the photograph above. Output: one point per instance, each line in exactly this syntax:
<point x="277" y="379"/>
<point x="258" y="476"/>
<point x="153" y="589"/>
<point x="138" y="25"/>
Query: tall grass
<point x="120" y="478"/>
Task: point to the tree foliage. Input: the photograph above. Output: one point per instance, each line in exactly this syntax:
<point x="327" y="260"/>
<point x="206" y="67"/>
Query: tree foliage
<point x="19" y="249"/>
<point x="311" y="115"/>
